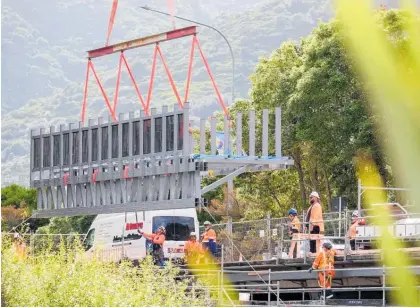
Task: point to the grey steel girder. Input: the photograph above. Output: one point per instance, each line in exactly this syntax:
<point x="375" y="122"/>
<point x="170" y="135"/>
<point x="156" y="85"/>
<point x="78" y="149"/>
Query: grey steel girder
<point x="143" y="162"/>
<point x="224" y="179"/>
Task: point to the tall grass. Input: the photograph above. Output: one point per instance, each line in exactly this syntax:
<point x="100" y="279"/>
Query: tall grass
<point x="392" y="78"/>
<point x="58" y="278"/>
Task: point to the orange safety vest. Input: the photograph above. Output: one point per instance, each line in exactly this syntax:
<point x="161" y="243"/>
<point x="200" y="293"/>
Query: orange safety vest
<point x="208" y="235"/>
<point x="352" y="230"/>
<point x="296" y="223"/>
<point x="20" y="250"/>
<point x="325" y="261"/>
<point x="192" y="248"/>
<point x="315" y="217"/>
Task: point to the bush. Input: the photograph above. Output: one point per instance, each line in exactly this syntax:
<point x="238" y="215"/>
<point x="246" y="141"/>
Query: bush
<point x="11" y="217"/>
<point x="57" y="278"/>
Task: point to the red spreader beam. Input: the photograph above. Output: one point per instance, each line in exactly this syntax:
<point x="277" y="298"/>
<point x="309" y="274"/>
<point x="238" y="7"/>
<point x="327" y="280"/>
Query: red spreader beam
<point x="153" y="39"/>
<point x="143" y="41"/>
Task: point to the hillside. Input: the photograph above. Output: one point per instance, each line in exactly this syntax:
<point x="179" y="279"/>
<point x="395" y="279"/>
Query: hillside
<point x="43" y="58"/>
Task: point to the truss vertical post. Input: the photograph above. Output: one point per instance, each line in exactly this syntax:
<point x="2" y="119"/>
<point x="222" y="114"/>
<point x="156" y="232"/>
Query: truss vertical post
<point x="265" y="133"/>
<point x="239" y="134"/>
<point x="213" y="135"/>
<point x="186" y="134"/>
<point x="202" y="136"/>
<point x="278" y="132"/>
<point x="383" y="286"/>
<point x="252" y="133"/>
<point x="226" y="136"/>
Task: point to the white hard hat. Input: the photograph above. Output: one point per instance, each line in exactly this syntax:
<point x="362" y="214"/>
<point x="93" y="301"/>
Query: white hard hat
<point x="355" y="214"/>
<point x="314" y="194"/>
<point x="193" y="234"/>
<point x="16" y="235"/>
<point x="207" y="223"/>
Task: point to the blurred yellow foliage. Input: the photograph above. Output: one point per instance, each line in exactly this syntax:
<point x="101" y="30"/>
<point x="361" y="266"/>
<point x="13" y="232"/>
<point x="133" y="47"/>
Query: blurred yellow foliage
<point x="392" y="77"/>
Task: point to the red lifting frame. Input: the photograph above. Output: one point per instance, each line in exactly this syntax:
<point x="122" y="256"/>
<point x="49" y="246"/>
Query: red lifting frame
<point x="153" y="39"/>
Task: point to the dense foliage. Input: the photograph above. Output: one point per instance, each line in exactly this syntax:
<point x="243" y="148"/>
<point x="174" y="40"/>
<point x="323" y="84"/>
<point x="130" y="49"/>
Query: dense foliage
<point x="58" y="278"/>
<point x="326" y="121"/>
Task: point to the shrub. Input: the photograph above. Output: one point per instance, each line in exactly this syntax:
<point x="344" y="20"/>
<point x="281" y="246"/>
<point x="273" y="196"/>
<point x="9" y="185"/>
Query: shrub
<point x="57" y="278"/>
<point x="12" y="216"/>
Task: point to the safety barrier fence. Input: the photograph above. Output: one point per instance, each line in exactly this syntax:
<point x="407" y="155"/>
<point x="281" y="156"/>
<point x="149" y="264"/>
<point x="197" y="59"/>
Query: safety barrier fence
<point x="269" y="238"/>
<point x="272" y="287"/>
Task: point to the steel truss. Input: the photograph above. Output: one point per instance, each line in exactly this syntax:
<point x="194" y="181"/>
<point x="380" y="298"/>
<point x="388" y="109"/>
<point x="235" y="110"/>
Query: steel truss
<point x="140" y="162"/>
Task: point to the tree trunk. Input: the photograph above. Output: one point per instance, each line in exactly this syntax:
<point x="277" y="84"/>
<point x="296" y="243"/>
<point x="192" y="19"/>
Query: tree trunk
<point x="316" y="186"/>
<point x="298" y="164"/>
<point x="328" y="189"/>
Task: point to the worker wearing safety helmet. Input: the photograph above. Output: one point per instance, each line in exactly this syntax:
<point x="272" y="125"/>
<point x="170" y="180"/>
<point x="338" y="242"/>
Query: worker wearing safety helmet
<point x="324" y="262"/>
<point x="355" y="222"/>
<point x="157" y="239"/>
<point x="294" y="231"/>
<point x="192" y="249"/>
<point x="208" y="238"/>
<point x="315" y="220"/>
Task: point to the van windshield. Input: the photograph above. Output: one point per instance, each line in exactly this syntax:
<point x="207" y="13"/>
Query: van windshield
<point x="178" y="228"/>
<point x="88" y="242"/>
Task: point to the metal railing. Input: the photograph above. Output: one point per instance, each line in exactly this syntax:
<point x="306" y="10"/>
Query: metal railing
<point x="269" y="238"/>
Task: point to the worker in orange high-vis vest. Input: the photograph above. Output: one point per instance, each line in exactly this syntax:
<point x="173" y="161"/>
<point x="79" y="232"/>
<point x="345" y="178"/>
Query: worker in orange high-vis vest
<point x="192" y="249"/>
<point x="324" y="262"/>
<point x="19" y="246"/>
<point x="294" y="232"/>
<point x="355" y="222"/>
<point x="208" y="238"/>
<point x="315" y="220"/>
<point x="157" y="240"/>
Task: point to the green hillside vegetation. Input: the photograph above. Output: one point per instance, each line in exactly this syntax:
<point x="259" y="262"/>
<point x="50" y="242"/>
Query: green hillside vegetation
<point x="45" y="59"/>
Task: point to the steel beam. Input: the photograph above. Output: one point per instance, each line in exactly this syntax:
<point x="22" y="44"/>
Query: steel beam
<point x="119" y="175"/>
<point x="224" y="179"/>
<point x="305" y="275"/>
<point x="118" y="208"/>
<point x="143" y="41"/>
<point x="254" y="161"/>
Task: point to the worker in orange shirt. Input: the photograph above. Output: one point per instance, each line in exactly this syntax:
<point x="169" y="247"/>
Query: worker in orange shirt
<point x="192" y="249"/>
<point x="157" y="239"/>
<point x="351" y="234"/>
<point x="208" y="239"/>
<point x="315" y="220"/>
<point x="19" y="246"/>
<point x="324" y="262"/>
<point x="294" y="231"/>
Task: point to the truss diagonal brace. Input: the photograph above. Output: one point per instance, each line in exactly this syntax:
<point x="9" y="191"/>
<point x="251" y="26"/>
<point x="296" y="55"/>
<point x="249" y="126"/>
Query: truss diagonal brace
<point x="224" y="179"/>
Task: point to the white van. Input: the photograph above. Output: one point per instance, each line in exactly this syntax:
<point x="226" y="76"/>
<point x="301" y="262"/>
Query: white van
<point x="112" y="237"/>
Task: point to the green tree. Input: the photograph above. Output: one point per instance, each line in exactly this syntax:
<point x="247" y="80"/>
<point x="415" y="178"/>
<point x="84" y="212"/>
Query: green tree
<point x="18" y="196"/>
<point x="325" y="120"/>
<point x="67" y="225"/>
